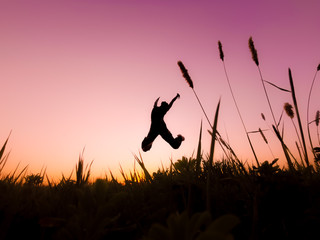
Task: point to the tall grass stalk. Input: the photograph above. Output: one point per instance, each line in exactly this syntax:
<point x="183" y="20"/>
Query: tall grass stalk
<point x="285" y="148"/>
<point x="288" y="109"/>
<point x="298" y="117"/>
<point x="266" y="141"/>
<point x="255" y="59"/>
<point x="308" y="107"/>
<point x="188" y="79"/>
<point x="213" y="138"/>
<point x="235" y="102"/>
<point x="254" y="54"/>
<point x="317" y="119"/>
<point x="214" y="132"/>
<point x="300" y="155"/>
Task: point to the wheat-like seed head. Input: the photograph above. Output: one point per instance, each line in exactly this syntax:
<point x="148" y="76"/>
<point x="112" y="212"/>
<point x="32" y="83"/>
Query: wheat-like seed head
<point x="220" y="51"/>
<point x="253" y="51"/>
<point x="263" y="136"/>
<point x="317" y="118"/>
<point x="185" y="74"/>
<point x="318" y="68"/>
<point x="225" y="144"/>
<point x="263" y="117"/>
<point x="288" y="108"/>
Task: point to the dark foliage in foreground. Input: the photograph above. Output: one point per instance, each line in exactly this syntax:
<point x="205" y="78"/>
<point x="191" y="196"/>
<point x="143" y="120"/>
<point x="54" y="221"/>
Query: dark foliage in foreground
<point x="252" y="203"/>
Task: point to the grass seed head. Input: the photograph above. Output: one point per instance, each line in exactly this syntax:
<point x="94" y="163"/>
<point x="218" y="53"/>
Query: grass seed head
<point x="289" y="110"/>
<point x="317" y="118"/>
<point x="253" y="51"/>
<point x="263" y="117"/>
<point x="318" y="68"/>
<point x="263" y="136"/>
<point x="220" y="51"/>
<point x="185" y="74"/>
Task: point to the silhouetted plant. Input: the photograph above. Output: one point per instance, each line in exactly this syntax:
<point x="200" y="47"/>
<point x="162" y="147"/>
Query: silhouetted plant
<point x="317" y="119"/>
<point x="253" y="51"/>
<point x="146" y="173"/>
<point x="234" y="99"/>
<point x="34" y="179"/>
<point x="289" y="111"/>
<point x="3" y="158"/>
<point x="275" y="125"/>
<point x="308" y="107"/>
<point x="298" y="117"/>
<point x="254" y="54"/>
<point x="317" y="154"/>
<point x="187" y="77"/>
<point x="199" y="226"/>
<point x="267" y="169"/>
<point x="199" y="152"/>
<point x="82" y="174"/>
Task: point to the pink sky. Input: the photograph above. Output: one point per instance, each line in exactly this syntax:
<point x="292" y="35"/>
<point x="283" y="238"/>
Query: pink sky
<point x="78" y="74"/>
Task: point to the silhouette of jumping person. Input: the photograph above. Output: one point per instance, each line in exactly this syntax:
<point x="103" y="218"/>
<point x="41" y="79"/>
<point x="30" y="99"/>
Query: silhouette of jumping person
<point x="159" y="127"/>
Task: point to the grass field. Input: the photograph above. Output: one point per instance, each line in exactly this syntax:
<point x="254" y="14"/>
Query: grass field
<point x="195" y="198"/>
<point x="249" y="203"/>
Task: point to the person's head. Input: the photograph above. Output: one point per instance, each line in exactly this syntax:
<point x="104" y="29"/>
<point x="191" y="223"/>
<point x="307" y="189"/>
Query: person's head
<point x="164" y="104"/>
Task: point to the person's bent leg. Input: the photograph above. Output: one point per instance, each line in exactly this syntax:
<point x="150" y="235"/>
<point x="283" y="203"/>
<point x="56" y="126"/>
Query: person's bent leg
<point x="167" y="136"/>
<point x="177" y="141"/>
<point x="148" y="140"/>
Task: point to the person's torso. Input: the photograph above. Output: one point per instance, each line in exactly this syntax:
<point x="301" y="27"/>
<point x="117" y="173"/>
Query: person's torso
<point x="157" y="114"/>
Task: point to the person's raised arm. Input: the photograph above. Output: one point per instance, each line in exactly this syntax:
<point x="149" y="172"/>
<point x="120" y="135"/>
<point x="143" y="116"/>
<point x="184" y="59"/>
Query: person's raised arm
<point x="175" y="98"/>
<point x="156" y="102"/>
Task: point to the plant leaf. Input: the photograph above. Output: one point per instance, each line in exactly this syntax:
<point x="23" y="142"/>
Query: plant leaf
<point x="298" y="117"/>
<point x="4" y="146"/>
<point x="213" y="136"/>
<point x="198" y="159"/>
<point x="282" y="89"/>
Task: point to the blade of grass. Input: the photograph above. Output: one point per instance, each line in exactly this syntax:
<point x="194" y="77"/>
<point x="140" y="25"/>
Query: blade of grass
<point x="213" y="138"/>
<point x="123" y="175"/>
<point x="198" y="159"/>
<point x="282" y="89"/>
<point x="300" y="155"/>
<point x="298" y="117"/>
<point x="21" y="175"/>
<point x="140" y="161"/>
<point x="79" y="170"/>
<point x="284" y="147"/>
<point x="4" y="146"/>
<point x="112" y="177"/>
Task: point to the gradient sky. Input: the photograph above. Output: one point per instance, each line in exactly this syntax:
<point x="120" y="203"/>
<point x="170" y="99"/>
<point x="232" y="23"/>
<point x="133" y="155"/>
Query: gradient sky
<point x="85" y="74"/>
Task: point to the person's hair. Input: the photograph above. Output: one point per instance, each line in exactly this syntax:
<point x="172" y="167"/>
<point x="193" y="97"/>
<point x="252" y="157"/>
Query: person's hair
<point x="164" y="104"/>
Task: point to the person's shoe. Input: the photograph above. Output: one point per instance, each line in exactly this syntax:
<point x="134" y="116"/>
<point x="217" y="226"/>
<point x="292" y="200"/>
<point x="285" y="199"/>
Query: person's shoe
<point x="146" y="147"/>
<point x="182" y="137"/>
